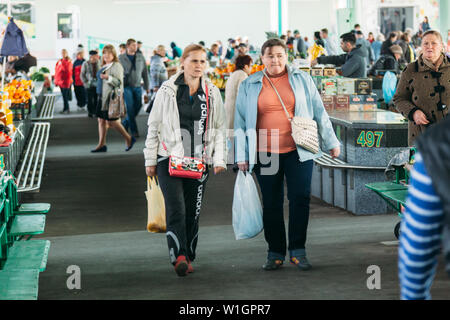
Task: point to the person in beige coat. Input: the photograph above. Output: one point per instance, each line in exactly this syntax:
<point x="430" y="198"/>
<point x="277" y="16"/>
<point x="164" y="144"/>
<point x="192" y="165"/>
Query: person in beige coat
<point x="243" y="69"/>
<point x="423" y="93"/>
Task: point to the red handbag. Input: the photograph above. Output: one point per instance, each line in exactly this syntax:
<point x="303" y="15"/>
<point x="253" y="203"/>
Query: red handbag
<point x="187" y="167"/>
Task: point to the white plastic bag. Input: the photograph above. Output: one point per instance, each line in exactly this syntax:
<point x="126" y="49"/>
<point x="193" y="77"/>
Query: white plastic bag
<point x="247" y="209"/>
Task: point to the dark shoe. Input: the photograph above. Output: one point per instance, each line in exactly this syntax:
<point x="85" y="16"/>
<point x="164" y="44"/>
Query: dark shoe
<point x="181" y="266"/>
<point x="301" y="262"/>
<point x="102" y="149"/>
<point x="272" y="264"/>
<point x="65" y="112"/>
<point x="133" y="141"/>
<point x="90" y="115"/>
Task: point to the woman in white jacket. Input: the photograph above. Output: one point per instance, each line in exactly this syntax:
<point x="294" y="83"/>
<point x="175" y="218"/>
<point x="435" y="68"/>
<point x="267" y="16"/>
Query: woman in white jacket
<point x="176" y="127"/>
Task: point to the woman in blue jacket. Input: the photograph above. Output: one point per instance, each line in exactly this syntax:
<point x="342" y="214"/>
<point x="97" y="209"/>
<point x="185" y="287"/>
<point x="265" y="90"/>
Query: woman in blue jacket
<point x="264" y="145"/>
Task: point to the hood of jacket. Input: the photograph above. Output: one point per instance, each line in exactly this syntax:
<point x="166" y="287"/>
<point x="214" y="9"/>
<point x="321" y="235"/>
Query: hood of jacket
<point x="358" y="51"/>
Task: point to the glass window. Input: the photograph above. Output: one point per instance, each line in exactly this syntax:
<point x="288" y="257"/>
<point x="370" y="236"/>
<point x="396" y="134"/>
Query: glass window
<point x="65" y="26"/>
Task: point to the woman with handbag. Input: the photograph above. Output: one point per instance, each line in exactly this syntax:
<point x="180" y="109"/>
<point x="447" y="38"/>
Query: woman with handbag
<point x="110" y="81"/>
<point x="186" y="134"/>
<point x="270" y="108"/>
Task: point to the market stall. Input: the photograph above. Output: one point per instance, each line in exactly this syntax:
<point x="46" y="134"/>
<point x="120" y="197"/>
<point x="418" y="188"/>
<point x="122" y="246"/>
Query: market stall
<point x="369" y="137"/>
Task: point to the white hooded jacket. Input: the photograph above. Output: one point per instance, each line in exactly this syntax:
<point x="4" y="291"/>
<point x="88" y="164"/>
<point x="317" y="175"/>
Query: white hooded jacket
<point x="164" y="126"/>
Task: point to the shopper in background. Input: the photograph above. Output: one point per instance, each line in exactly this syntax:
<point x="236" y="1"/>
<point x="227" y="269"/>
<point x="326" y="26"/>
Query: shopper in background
<point x="214" y="52"/>
<point x="318" y="39"/>
<point x="158" y="71"/>
<point x="388" y="62"/>
<point x="176" y="51"/>
<point x="109" y="78"/>
<point x="89" y="78"/>
<point x="274" y="156"/>
<point x="80" y="90"/>
<point x="299" y="44"/>
<point x="425" y="25"/>
<point x="63" y="78"/>
<point x="122" y="48"/>
<point x="388" y="43"/>
<point x="242" y="50"/>
<point x="243" y="70"/>
<point x="353" y="62"/>
<point x="308" y="44"/>
<point x="135" y="71"/>
<point x="376" y="46"/>
<point x="426" y="221"/>
<point x="179" y="111"/>
<point x="365" y="45"/>
<point x="139" y="47"/>
<point x="371" y="38"/>
<point x="289" y="37"/>
<point x="423" y="93"/>
<point x="408" y="52"/>
<point x="330" y="43"/>
<point x="417" y="40"/>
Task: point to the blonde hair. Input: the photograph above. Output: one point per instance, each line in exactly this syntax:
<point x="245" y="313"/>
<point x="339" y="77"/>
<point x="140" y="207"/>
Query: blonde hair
<point x="191" y="48"/>
<point x="110" y="48"/>
<point x="159" y="49"/>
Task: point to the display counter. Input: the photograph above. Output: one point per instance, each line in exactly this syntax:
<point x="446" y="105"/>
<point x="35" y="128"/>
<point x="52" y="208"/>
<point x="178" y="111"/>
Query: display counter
<point x="369" y="140"/>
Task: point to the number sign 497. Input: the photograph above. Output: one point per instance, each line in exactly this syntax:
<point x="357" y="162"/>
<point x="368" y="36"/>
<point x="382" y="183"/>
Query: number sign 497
<point x="370" y="139"/>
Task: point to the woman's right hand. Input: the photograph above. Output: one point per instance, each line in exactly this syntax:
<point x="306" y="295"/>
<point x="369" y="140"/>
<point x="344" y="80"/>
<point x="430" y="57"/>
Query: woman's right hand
<point x="151" y="171"/>
<point x="420" y="118"/>
<point x="243" y="166"/>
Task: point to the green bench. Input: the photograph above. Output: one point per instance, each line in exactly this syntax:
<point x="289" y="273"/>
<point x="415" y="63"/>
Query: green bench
<point x="20" y="261"/>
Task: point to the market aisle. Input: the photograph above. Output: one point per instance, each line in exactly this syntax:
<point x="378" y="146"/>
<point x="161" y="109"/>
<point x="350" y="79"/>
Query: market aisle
<point x="98" y="220"/>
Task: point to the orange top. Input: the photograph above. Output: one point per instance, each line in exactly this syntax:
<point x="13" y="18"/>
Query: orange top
<point x="273" y="125"/>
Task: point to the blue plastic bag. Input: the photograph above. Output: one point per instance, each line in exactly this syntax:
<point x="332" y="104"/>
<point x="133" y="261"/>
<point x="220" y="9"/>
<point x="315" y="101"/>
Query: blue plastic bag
<point x="247" y="209"/>
<point x="389" y="86"/>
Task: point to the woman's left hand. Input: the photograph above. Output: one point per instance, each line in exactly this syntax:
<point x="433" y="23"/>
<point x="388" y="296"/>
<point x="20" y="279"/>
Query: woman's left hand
<point x="104" y="76"/>
<point x="218" y="170"/>
<point x="334" y="153"/>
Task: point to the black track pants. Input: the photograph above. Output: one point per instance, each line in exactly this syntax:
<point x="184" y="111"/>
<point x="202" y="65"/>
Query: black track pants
<point x="183" y="199"/>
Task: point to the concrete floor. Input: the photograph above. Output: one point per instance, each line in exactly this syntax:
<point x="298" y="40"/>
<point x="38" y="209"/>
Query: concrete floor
<point x="98" y="222"/>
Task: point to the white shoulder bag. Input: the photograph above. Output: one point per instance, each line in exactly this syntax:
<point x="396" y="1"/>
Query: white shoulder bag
<point x="304" y="130"/>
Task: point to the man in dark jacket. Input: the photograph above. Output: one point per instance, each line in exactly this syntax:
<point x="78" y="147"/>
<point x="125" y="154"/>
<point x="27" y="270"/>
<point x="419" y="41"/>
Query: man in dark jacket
<point x="135" y="71"/>
<point x="388" y="62"/>
<point x="365" y="44"/>
<point x="353" y="62"/>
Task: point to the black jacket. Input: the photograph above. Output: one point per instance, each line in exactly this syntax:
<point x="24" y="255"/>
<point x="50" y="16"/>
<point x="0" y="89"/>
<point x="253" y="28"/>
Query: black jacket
<point x="386" y="62"/>
<point x="353" y="64"/>
<point x="385" y="47"/>
<point x="434" y="146"/>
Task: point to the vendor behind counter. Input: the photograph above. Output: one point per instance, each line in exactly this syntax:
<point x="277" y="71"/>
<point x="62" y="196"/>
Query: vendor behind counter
<point x="353" y="63"/>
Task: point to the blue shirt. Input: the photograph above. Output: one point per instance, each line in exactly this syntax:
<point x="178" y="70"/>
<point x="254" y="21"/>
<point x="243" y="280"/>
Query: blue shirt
<point x="100" y="81"/>
<point x="420" y="239"/>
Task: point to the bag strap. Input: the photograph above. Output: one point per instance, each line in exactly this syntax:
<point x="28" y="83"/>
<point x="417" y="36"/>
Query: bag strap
<point x="279" y="97"/>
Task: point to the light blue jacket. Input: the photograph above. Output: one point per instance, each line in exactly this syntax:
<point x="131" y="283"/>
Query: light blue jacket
<point x="308" y="104"/>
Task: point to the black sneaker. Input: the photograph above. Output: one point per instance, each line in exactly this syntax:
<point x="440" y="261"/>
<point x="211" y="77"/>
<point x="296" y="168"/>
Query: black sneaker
<point x="301" y="262"/>
<point x="272" y="264"/>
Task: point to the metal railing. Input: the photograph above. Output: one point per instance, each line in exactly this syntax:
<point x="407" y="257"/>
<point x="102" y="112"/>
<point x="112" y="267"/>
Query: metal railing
<point x="328" y="162"/>
<point x="31" y="166"/>
<point x="48" y="108"/>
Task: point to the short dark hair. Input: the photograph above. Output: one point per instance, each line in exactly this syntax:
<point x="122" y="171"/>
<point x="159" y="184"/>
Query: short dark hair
<point x="349" y="37"/>
<point x="130" y="41"/>
<point x="359" y="33"/>
<point x="122" y="45"/>
<point x="357" y="26"/>
<point x="139" y="42"/>
<point x="324" y="30"/>
<point x="392" y="35"/>
<point x="272" y="43"/>
<point x="243" y="61"/>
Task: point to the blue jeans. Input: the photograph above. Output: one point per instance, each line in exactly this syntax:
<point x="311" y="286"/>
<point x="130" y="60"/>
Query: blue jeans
<point x="298" y="179"/>
<point x="133" y="101"/>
